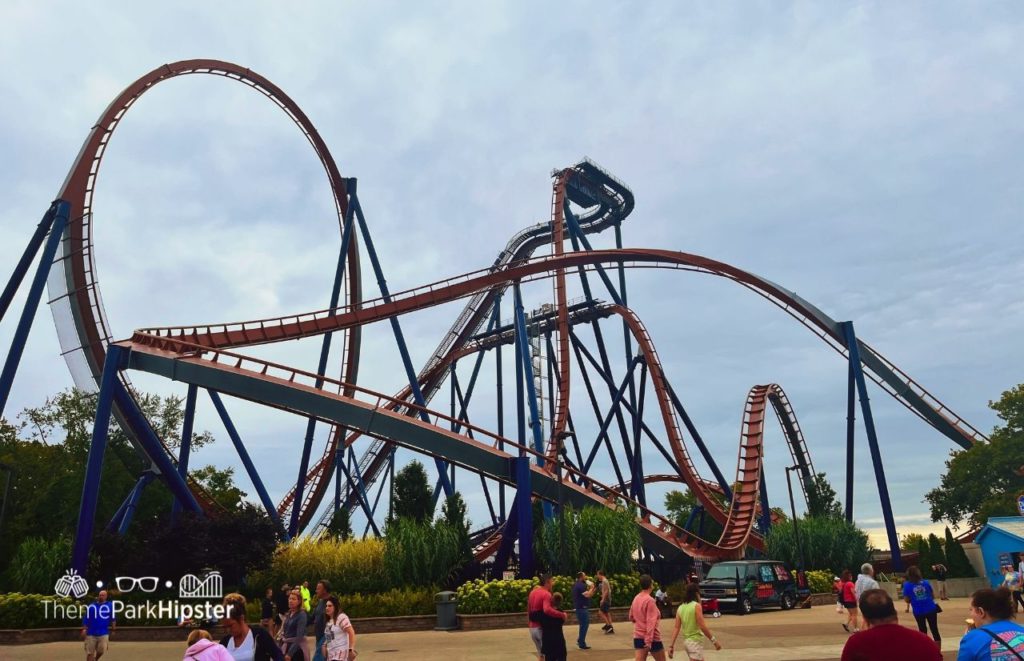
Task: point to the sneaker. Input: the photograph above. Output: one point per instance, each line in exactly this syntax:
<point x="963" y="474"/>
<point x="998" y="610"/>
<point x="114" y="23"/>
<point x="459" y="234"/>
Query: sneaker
<point x="584" y="647"/>
<point x="610" y="630"/>
<point x="606" y="627"/>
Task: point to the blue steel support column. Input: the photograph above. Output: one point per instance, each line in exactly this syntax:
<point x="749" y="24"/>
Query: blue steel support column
<point x="94" y="465"/>
<point x="26" y="260"/>
<point x="133" y="502"/>
<point x="851" y="420"/>
<point x="325" y="352"/>
<point x="403" y="349"/>
<point x="339" y="456"/>
<point x="243" y="454"/>
<point x="361" y="495"/>
<point x="876" y="455"/>
<point x="500" y="408"/>
<point x="524" y="516"/>
<point x="35" y="292"/>
<point x="528" y="376"/>
<point x="186" y="440"/>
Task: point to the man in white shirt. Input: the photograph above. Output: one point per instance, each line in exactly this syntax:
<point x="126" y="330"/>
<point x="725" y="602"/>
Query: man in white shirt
<point x="866" y="580"/>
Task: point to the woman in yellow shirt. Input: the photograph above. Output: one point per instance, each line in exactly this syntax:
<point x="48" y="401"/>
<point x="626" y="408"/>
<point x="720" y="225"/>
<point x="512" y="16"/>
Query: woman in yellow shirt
<point x="690" y="620"/>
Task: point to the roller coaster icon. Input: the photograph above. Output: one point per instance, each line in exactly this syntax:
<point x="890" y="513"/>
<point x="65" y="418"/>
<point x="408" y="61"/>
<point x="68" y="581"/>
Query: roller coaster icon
<point x="546" y="460"/>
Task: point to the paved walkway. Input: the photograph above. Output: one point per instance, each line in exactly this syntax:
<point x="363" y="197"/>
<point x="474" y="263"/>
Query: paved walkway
<point x="813" y="634"/>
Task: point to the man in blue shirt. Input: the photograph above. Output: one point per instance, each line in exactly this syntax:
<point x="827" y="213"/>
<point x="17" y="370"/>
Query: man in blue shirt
<point x="96" y="626"/>
<point x="581" y="594"/>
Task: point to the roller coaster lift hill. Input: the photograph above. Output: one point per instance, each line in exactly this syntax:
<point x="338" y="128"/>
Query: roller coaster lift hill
<point x="541" y="458"/>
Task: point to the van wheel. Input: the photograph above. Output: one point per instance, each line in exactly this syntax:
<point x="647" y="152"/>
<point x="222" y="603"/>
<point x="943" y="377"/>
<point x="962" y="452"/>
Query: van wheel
<point x="746" y="606"/>
<point x="787" y="601"/>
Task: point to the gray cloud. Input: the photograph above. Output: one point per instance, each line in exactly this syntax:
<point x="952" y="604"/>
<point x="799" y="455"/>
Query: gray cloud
<point x="867" y="157"/>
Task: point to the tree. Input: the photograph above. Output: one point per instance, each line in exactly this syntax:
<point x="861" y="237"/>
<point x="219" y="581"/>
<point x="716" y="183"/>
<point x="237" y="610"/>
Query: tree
<point x="340" y="527"/>
<point x="821" y="498"/>
<point x="413" y="497"/>
<point x="956" y="560"/>
<point x="220" y="485"/>
<point x="679" y="504"/>
<point x="935" y="552"/>
<point x="984" y="481"/>
<point x="910" y="541"/>
<point x="453" y="512"/>
<point x="828" y="543"/>
<point x="924" y="558"/>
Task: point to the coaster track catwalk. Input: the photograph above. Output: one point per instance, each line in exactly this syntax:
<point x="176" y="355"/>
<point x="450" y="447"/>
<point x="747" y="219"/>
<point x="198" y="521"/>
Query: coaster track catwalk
<point x="553" y="465"/>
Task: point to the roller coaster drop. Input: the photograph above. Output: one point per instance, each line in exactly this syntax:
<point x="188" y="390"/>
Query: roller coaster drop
<point x="549" y="462"/>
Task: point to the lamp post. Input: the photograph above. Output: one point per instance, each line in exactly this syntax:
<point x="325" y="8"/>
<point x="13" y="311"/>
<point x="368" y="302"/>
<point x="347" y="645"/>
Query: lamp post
<point x="796" y="526"/>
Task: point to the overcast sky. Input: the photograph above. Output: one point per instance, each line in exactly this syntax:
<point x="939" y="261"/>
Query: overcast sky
<point x="866" y="155"/>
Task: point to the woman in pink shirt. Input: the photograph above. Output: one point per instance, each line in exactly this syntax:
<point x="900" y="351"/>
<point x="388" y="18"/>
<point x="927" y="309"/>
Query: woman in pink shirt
<point x="645" y="616"/>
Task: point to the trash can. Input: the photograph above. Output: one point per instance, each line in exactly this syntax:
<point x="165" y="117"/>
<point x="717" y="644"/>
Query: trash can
<point x="446" y="618"/>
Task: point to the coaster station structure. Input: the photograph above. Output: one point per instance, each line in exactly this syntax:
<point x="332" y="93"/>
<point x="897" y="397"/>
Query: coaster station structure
<point x="643" y="432"/>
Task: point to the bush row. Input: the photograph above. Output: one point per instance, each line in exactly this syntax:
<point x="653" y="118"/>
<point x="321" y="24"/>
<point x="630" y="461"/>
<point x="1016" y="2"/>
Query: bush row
<point x="481" y="597"/>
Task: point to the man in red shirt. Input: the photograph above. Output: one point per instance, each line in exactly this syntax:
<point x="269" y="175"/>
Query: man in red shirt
<point x="539" y="601"/>
<point x="884" y="639"/>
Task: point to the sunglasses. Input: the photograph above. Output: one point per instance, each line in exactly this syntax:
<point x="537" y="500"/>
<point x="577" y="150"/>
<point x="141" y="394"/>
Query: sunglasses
<point x="144" y="583"/>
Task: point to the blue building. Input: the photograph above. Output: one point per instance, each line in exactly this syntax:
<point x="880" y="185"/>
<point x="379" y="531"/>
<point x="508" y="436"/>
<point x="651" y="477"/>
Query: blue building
<point x="1002" y="543"/>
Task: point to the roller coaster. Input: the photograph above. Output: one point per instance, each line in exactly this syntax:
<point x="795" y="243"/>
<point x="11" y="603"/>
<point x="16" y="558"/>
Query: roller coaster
<point x="631" y="428"/>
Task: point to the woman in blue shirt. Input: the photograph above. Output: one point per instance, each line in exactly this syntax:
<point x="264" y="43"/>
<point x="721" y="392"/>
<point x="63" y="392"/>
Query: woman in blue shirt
<point x="992" y="635"/>
<point x="918" y="593"/>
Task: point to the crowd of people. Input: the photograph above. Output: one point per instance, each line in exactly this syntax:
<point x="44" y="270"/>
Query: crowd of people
<point x="281" y="634"/>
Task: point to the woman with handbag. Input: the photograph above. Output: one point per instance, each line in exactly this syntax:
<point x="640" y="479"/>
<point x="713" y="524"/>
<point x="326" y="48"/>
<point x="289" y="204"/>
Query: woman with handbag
<point x="918" y="593"/>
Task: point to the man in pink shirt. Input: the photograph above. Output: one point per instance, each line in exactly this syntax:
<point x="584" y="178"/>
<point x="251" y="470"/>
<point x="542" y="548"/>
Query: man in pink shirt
<point x="539" y="601"/>
<point x="645" y="616"/>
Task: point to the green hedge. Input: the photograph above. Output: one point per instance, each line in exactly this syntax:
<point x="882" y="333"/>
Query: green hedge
<point x="482" y="597"/>
<point x="27" y="611"/>
<point x="820" y="580"/>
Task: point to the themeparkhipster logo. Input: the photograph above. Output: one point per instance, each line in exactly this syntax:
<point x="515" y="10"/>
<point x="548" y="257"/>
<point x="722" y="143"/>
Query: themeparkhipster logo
<point x="190" y="586"/>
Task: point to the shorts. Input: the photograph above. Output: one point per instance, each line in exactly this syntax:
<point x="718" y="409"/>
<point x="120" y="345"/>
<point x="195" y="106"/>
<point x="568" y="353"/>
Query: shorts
<point x="96" y="645"/>
<point x="606" y="607"/>
<point x="656" y="646"/>
<point x="849" y="604"/>
<point x="694" y="649"/>
<point x="535" y="634"/>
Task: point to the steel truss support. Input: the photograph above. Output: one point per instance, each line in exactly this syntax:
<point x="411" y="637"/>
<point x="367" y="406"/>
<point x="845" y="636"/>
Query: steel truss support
<point x="123" y="517"/>
<point x="414" y="384"/>
<point x="54" y="220"/>
<point x="186" y="440"/>
<point x="765" y="523"/>
<point x="243" y="454"/>
<point x="321" y="370"/>
<point x="526" y="365"/>
<point x="113" y="393"/>
<point x="857" y="374"/>
<point x="355" y="482"/>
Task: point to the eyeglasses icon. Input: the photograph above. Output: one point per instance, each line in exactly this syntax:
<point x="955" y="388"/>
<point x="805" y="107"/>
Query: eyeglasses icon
<point x="144" y="583"/>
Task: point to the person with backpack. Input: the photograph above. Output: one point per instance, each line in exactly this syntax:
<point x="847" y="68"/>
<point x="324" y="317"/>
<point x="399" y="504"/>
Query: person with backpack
<point x="849" y="596"/>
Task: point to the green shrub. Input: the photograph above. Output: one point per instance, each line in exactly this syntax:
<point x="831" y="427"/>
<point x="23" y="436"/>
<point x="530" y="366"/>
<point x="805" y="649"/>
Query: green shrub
<point x="27" y="611"/>
<point x="419" y="554"/>
<point x="37" y="564"/>
<point x="481" y="597"/>
<point x="820" y="580"/>
<point x="829" y="543"/>
<point x="393" y="603"/>
<point x="350" y="566"/>
<point x="596" y="537"/>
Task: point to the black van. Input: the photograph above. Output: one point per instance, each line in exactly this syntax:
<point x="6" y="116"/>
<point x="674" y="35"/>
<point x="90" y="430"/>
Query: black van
<point x="743" y="585"/>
